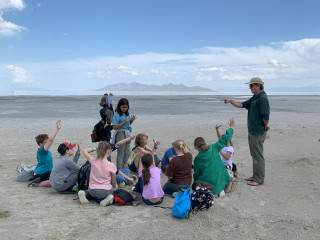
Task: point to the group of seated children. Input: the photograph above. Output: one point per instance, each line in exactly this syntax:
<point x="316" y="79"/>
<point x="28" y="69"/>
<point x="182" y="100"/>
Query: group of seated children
<point x="209" y="167"/>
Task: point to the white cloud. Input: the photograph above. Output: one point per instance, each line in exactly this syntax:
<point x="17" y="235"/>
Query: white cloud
<point x="7" y="4"/>
<point x="19" y="74"/>
<point x="294" y="63"/>
<point x="7" y="28"/>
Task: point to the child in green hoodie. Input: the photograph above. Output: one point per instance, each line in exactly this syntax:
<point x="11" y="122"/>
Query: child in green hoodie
<point x="208" y="166"/>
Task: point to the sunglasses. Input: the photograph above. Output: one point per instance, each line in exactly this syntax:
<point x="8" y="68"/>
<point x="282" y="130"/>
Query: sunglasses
<point x="254" y="84"/>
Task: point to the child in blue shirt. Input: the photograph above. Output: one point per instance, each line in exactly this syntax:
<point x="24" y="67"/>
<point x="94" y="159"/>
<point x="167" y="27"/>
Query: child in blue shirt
<point x="168" y="155"/>
<point x="44" y="157"/>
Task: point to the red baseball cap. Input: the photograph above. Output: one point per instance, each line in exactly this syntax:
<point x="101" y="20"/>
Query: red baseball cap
<point x="63" y="147"/>
<point x="69" y="145"/>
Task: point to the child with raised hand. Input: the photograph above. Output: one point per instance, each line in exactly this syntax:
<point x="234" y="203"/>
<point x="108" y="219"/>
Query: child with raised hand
<point x="150" y="181"/>
<point x="122" y="125"/>
<point x="44" y="157"/>
<point x="141" y="146"/>
<point x="227" y="152"/>
<point x="65" y="170"/>
<point x="102" y="181"/>
<point x="208" y="166"/>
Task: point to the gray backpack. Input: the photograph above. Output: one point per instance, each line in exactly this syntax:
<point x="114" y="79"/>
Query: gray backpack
<point x="25" y="174"/>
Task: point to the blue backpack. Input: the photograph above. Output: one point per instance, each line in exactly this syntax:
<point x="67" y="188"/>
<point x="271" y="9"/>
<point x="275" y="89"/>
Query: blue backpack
<point x="182" y="204"/>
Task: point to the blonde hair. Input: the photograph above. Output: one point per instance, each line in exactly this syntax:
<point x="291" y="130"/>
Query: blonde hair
<point x="139" y="139"/>
<point x="103" y="147"/>
<point x="199" y="142"/>
<point x="179" y="144"/>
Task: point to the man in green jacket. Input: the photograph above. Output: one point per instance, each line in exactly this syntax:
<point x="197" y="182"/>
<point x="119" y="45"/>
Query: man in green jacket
<point x="258" y="119"/>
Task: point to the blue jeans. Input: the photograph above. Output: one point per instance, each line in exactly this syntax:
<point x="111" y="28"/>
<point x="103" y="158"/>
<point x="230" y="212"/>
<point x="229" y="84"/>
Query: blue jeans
<point x="121" y="178"/>
<point x="170" y="188"/>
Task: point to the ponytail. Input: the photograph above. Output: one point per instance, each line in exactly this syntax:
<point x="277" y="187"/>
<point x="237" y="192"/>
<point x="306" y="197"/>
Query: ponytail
<point x="146" y="161"/>
<point x="199" y="142"/>
<point x="179" y="144"/>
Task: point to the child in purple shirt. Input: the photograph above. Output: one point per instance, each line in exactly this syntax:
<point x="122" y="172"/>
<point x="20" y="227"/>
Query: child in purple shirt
<point x="150" y="181"/>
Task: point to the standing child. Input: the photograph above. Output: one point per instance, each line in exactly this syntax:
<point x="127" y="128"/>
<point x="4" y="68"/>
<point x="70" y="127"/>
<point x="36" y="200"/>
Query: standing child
<point x="208" y="166"/>
<point x="102" y="181"/>
<point x="227" y="152"/>
<point x="150" y="181"/>
<point x="122" y="126"/>
<point x="44" y="157"/>
<point x="141" y="146"/>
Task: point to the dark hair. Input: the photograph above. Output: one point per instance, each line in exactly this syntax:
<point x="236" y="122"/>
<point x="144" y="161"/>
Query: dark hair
<point x="121" y="102"/>
<point x="41" y="138"/>
<point x="146" y="161"/>
<point x="199" y="142"/>
<point x="261" y="87"/>
<point x="139" y="139"/>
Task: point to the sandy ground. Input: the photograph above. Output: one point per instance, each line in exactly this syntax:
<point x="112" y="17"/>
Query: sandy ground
<point x="286" y="207"/>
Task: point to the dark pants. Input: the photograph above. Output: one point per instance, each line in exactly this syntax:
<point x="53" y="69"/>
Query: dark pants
<point x="170" y="188"/>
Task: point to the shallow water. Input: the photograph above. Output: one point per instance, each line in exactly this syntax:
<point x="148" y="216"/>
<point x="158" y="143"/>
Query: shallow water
<point x="87" y="106"/>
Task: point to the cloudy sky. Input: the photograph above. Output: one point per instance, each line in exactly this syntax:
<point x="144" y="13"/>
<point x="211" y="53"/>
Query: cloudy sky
<point x="83" y="45"/>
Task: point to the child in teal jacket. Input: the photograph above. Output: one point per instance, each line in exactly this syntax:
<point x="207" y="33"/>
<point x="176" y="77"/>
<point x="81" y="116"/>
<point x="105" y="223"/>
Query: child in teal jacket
<point x="208" y="166"/>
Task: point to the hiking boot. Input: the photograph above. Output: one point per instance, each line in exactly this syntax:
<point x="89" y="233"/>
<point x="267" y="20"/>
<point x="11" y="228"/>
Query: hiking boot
<point x="82" y="197"/>
<point x="108" y="201"/>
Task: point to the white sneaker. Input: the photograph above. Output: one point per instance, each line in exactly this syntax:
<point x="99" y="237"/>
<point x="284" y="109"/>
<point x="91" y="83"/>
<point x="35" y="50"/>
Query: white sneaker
<point x="82" y="197"/>
<point x="108" y="201"/>
<point x="222" y="194"/>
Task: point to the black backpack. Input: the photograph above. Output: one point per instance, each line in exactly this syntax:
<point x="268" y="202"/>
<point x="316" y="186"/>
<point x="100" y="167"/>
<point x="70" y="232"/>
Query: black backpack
<point x="122" y="197"/>
<point x="83" y="177"/>
<point x="95" y="132"/>
<point x="201" y="198"/>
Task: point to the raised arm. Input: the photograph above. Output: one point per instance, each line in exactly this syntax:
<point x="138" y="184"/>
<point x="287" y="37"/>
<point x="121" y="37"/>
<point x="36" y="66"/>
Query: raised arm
<point x="86" y="152"/>
<point x="234" y="103"/>
<point x="77" y="155"/>
<point x="227" y="137"/>
<point x="123" y="141"/>
<point x="217" y="130"/>
<point x="53" y="135"/>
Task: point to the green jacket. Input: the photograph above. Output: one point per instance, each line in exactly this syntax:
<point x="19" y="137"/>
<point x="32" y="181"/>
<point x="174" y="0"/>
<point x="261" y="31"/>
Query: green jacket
<point x="208" y="166"/>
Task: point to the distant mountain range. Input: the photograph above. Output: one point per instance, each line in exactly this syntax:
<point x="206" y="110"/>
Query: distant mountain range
<point x="159" y="88"/>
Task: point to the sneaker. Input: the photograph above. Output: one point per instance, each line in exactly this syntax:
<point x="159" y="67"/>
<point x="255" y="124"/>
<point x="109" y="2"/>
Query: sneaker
<point x="121" y="185"/>
<point x="134" y="190"/>
<point x="82" y="197"/>
<point x="222" y="194"/>
<point x="33" y="184"/>
<point x="108" y="201"/>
